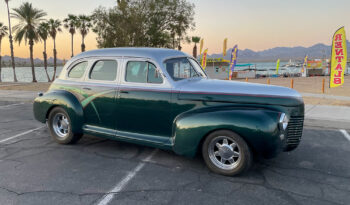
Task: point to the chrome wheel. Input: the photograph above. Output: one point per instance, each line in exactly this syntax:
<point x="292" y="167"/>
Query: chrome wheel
<point x="60" y="125"/>
<point x="224" y="152"/>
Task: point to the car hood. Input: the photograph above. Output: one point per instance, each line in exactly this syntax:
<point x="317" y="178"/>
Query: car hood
<point x="238" y="92"/>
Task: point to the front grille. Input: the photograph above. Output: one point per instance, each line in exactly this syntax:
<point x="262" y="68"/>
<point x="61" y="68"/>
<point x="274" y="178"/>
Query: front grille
<point x="294" y="132"/>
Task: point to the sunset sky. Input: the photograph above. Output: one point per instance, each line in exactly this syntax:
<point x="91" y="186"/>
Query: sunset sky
<point x="253" y="24"/>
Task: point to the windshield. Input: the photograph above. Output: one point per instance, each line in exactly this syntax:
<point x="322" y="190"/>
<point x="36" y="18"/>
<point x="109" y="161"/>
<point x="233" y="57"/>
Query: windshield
<point x="183" y="68"/>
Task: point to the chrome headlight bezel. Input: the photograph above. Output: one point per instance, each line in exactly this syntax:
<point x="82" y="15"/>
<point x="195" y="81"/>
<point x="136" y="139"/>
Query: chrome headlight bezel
<point x="283" y="122"/>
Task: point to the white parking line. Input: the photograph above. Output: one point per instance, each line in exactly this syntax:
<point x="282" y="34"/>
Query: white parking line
<point x="110" y="195"/>
<point x="10" y="105"/>
<point x="20" y="134"/>
<point x="346" y="134"/>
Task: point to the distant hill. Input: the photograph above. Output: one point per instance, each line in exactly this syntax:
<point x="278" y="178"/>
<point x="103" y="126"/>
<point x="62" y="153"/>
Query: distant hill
<point x="284" y="53"/>
<point x="26" y="61"/>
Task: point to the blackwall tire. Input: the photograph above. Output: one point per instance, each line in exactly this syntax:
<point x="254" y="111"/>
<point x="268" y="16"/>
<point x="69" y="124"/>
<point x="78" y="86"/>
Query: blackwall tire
<point x="59" y="124"/>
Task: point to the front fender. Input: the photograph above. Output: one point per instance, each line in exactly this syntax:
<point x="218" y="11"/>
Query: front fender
<point x="258" y="127"/>
<point x="42" y="105"/>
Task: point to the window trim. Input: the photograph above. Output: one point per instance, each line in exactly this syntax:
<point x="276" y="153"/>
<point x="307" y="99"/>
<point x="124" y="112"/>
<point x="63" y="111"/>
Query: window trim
<point x="73" y="66"/>
<point x="94" y="61"/>
<point x="88" y="77"/>
<point x="148" y="62"/>
<point x="188" y="58"/>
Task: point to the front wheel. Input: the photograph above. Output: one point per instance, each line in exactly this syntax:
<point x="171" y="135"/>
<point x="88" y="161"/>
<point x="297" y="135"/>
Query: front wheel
<point x="226" y="153"/>
<point x="60" y="127"/>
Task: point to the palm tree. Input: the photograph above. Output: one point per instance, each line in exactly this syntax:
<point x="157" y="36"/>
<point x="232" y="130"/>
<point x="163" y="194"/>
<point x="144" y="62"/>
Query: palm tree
<point x="3" y="33"/>
<point x="84" y="26"/>
<point x="195" y="40"/>
<point x="11" y="42"/>
<point x="55" y="27"/>
<point x="71" y="23"/>
<point x="29" y="19"/>
<point x="43" y="32"/>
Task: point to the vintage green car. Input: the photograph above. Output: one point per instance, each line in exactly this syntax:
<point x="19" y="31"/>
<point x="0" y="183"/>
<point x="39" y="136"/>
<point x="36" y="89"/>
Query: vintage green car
<point x="162" y="98"/>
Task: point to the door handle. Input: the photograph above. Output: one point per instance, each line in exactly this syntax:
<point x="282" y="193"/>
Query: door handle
<point x="87" y="88"/>
<point x="124" y="91"/>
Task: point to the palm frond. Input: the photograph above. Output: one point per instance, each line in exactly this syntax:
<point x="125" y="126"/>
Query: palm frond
<point x="29" y="19"/>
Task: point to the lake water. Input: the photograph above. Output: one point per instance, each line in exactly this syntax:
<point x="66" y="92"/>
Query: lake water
<point x="24" y="74"/>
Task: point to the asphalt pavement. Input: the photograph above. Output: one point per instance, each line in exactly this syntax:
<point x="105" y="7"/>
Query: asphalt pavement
<point x="36" y="170"/>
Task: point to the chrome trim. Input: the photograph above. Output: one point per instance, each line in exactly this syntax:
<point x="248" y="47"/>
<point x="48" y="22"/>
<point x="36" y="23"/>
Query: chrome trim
<point x="283" y="125"/>
<point x="224" y="153"/>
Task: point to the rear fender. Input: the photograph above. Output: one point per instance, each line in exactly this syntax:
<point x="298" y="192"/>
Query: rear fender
<point x="258" y="127"/>
<point x="44" y="104"/>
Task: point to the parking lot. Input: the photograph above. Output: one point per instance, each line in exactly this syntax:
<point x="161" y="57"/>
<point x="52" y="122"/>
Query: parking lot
<point x="36" y="170"/>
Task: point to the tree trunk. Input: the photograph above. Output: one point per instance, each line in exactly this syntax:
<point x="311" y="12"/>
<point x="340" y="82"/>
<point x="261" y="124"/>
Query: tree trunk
<point x="195" y="51"/>
<point x="0" y="68"/>
<point x="83" y="44"/>
<point x="11" y="44"/>
<point x="31" y="44"/>
<point x="72" y="45"/>
<point x="54" y="60"/>
<point x="45" y="61"/>
<point x="0" y="59"/>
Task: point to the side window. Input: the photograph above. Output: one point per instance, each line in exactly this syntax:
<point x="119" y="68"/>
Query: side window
<point x="78" y="70"/>
<point x="136" y="71"/>
<point x="153" y="75"/>
<point x="142" y="72"/>
<point x="104" y="70"/>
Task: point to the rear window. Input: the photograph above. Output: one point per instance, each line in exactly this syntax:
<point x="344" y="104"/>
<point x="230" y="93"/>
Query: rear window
<point x="78" y="70"/>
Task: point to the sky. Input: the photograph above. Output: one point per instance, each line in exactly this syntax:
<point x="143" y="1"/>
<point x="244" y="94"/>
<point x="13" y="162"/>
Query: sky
<point x="252" y="24"/>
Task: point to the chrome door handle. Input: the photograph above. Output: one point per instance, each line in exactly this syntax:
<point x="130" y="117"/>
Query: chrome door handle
<point x="87" y="88"/>
<point x="124" y="92"/>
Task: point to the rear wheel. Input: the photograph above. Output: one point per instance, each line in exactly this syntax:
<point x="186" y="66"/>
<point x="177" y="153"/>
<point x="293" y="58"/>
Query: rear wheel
<point x="60" y="127"/>
<point x="226" y="153"/>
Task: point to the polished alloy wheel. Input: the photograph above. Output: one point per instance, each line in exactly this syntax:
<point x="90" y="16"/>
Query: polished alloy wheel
<point x="60" y="125"/>
<point x="224" y="152"/>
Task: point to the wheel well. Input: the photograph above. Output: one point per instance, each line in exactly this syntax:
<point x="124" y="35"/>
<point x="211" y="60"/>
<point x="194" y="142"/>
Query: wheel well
<point x="48" y="112"/>
<point x="199" y="147"/>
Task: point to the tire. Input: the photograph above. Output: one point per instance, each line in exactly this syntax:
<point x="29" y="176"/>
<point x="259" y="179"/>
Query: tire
<point x="60" y="128"/>
<point x="226" y="153"/>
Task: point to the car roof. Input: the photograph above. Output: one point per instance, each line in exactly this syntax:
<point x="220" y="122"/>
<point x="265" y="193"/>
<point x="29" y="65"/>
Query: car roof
<point x="158" y="54"/>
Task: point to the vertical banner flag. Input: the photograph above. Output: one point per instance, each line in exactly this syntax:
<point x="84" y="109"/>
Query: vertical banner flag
<point x="277" y="66"/>
<point x="233" y="60"/>
<point x="204" y="59"/>
<point x="201" y="46"/>
<point x="225" y="47"/>
<point x="338" y="59"/>
<point x="303" y="69"/>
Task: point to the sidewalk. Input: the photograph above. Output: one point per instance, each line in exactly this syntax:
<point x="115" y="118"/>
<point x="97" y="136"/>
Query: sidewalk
<point x="334" y="97"/>
<point x="327" y="116"/>
<point x="17" y="96"/>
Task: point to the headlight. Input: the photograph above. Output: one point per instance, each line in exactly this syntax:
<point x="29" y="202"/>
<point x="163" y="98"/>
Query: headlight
<point x="283" y="122"/>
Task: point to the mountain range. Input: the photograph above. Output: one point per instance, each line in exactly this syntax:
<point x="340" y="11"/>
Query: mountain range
<point x="284" y="53"/>
<point x="26" y="61"/>
<point x="247" y="55"/>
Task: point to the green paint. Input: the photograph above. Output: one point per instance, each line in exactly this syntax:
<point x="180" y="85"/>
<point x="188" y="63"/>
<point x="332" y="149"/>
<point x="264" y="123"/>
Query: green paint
<point x="170" y="120"/>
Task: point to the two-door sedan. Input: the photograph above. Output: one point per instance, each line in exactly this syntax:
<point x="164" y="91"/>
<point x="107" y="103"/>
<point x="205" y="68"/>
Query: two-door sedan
<point x="162" y="98"/>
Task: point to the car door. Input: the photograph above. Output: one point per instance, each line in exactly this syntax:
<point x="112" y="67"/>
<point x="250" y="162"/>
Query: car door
<point x="99" y="90"/>
<point x="144" y="102"/>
